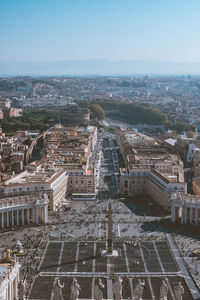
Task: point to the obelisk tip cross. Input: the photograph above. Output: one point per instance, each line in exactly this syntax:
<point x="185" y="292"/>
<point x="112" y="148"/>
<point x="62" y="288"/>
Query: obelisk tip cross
<point x="110" y="244"/>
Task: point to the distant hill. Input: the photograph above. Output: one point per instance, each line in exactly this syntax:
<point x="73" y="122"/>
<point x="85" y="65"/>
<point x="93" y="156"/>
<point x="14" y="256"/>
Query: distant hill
<point x="97" y="67"/>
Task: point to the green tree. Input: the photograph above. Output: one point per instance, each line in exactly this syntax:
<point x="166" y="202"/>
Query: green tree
<point x="180" y="126"/>
<point x="190" y="134"/>
<point x="96" y="111"/>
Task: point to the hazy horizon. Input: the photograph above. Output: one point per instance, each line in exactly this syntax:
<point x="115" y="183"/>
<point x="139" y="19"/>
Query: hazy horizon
<point x="101" y="67"/>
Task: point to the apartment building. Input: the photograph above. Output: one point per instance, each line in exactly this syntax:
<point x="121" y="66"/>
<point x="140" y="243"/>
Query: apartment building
<point x="70" y="148"/>
<point x="146" y="180"/>
<point x="51" y="181"/>
<point x="149" y="169"/>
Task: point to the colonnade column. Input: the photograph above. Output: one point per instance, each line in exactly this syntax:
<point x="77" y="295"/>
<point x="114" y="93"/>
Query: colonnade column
<point x="2" y="220"/>
<point x="173" y="214"/>
<point x="36" y="215"/>
<point x="33" y="215"/>
<point x="7" y="218"/>
<point x="13" y="221"/>
<point x="183" y="215"/>
<point x="191" y="215"/>
<point x="22" y="216"/>
<point x="196" y="216"/>
<point x="27" y="215"/>
<point x="45" y="214"/>
<point x="17" y="217"/>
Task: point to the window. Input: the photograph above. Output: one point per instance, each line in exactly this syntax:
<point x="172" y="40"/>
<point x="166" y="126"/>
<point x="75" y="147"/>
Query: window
<point x="125" y="183"/>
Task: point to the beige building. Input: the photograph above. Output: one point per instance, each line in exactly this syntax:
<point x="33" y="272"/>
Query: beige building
<point x="140" y="180"/>
<point x="185" y="208"/>
<point x="149" y="169"/>
<point x="9" y="278"/>
<point x="70" y="148"/>
<point x="51" y="181"/>
<point x="23" y="210"/>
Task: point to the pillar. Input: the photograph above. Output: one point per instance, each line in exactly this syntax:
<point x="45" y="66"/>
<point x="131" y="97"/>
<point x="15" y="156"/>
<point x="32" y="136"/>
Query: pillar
<point x="7" y="218"/>
<point x="27" y="216"/>
<point x="33" y="214"/>
<point x="191" y="215"/>
<point x="15" y="287"/>
<point x="183" y="215"/>
<point x="2" y="220"/>
<point x="173" y="213"/>
<point x="22" y="216"/>
<point x="36" y="215"/>
<point x="11" y="290"/>
<point x="17" y="217"/>
<point x="13" y="221"/>
<point x="196" y="216"/>
<point x="45" y="214"/>
<point x="186" y="211"/>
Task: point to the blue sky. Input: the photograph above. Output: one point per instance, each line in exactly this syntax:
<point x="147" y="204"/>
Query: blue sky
<point x="163" y="30"/>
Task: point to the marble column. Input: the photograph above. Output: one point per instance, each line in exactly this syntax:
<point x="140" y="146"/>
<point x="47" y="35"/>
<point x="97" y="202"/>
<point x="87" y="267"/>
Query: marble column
<point x="13" y="221"/>
<point x="17" y="217"/>
<point x="173" y="213"/>
<point x="33" y="214"/>
<point x="46" y="214"/>
<point x="196" y="216"/>
<point x="2" y="220"/>
<point x="191" y="215"/>
<point x="36" y="215"/>
<point x="183" y="215"/>
<point x="7" y="219"/>
<point x="27" y="216"/>
<point x="15" y="288"/>
<point x="22" y="216"/>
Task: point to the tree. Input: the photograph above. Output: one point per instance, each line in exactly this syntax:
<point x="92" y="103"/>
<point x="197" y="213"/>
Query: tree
<point x="168" y="124"/>
<point x="180" y="126"/>
<point x="190" y="134"/>
<point x="96" y="111"/>
<point x="190" y="127"/>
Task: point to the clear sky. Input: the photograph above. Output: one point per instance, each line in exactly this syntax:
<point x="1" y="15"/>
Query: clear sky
<point x="52" y="30"/>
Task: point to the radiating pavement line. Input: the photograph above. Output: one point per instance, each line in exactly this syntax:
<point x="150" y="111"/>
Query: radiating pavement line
<point x="163" y="270"/>
<point x="128" y="269"/>
<point x="93" y="269"/>
<point x="146" y="270"/>
<point x="77" y="255"/>
<point x="58" y="268"/>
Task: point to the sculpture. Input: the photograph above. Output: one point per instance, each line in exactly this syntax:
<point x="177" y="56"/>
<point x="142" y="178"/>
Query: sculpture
<point x="20" y="247"/>
<point x="117" y="288"/>
<point x="98" y="290"/>
<point x="75" y="289"/>
<point x="21" y="290"/>
<point x="138" y="290"/>
<point x="57" y="290"/>
<point x="163" y="290"/>
<point x="179" y="291"/>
